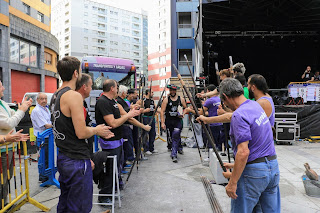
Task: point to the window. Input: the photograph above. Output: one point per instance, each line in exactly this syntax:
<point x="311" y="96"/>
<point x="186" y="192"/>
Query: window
<point x="66" y="38"/>
<point x="114" y="21"/>
<point x="94" y="8"/>
<point x="14" y="50"/>
<point x="85" y="14"/>
<point x="66" y="30"/>
<point x="66" y="5"/>
<point x="47" y="58"/>
<point x="33" y="55"/>
<point x="67" y="21"/>
<point x="26" y="9"/>
<point x="112" y="35"/>
<point x="125" y="45"/>
<point x="136" y="54"/>
<point x="85" y="30"/>
<point x="114" y="28"/>
<point x="66" y="46"/>
<point x="94" y="40"/>
<point x="85" y="38"/>
<point x="85" y="47"/>
<point x="113" y="50"/>
<point x="113" y="13"/>
<point x="40" y="17"/>
<point x="86" y="6"/>
<point x="113" y="42"/>
<point x="67" y="13"/>
<point x="85" y="22"/>
<point x="23" y="52"/>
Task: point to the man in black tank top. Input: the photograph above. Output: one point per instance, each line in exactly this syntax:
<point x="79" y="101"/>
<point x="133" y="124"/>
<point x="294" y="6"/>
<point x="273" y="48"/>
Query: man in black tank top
<point x="110" y="112"/>
<point x="147" y="116"/>
<point x="70" y="131"/>
<point x="172" y="121"/>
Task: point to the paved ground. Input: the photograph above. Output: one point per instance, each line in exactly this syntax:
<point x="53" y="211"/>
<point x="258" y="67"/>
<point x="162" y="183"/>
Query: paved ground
<point x="162" y="186"/>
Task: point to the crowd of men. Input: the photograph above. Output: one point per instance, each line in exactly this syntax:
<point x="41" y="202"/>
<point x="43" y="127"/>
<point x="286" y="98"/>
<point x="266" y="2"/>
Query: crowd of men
<point x="254" y="180"/>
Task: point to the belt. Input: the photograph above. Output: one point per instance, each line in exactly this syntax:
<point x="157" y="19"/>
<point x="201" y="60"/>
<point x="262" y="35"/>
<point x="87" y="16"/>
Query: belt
<point x="263" y="159"/>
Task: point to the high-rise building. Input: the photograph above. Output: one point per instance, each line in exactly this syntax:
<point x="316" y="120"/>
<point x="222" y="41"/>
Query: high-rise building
<point x="28" y="51"/>
<point x="94" y="28"/>
<point x="172" y="38"/>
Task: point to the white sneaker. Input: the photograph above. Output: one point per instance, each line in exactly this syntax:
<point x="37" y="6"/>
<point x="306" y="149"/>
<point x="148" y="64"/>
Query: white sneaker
<point x="148" y="153"/>
<point x="155" y="151"/>
<point x="206" y="159"/>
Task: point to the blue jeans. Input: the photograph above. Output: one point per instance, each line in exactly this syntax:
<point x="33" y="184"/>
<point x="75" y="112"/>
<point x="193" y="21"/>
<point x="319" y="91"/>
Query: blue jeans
<point x="217" y="133"/>
<point x="149" y="145"/>
<point x="75" y="184"/>
<point x="128" y="145"/>
<point x="259" y="182"/>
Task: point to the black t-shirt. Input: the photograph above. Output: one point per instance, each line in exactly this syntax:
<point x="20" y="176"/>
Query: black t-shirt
<point x="105" y="106"/>
<point x="124" y="105"/>
<point x="149" y="103"/>
<point x="308" y="76"/>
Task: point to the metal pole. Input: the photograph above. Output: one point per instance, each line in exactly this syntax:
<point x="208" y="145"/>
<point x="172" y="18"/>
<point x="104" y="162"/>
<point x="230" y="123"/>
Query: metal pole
<point x="202" y="124"/>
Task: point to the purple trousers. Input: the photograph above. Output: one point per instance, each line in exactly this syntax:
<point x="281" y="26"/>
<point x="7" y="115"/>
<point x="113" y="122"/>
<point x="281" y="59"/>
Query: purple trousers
<point x="175" y="128"/>
<point x="75" y="184"/>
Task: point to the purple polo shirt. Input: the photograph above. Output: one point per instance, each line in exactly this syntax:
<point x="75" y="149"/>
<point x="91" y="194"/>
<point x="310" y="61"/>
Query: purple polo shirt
<point x="250" y="123"/>
<point x="213" y="104"/>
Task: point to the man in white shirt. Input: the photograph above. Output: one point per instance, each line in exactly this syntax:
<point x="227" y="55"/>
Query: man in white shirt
<point x="40" y="117"/>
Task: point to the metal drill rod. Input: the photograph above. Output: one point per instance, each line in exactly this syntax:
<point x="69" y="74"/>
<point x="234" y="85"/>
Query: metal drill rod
<point x="211" y="140"/>
<point x="192" y="126"/>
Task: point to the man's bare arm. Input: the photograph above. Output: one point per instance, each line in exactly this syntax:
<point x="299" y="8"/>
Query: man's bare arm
<point x="163" y="109"/>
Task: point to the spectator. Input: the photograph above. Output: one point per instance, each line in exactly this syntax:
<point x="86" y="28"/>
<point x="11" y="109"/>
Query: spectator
<point x="242" y="79"/>
<point x="307" y="75"/>
<point x="41" y="120"/>
<point x="316" y="76"/>
<point x="84" y="87"/>
<point x="9" y="119"/>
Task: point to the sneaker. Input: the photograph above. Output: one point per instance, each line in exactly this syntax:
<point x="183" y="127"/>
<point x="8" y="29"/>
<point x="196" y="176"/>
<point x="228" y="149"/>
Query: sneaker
<point x="180" y="152"/>
<point x="144" y="158"/>
<point x="130" y="162"/>
<point x="104" y="200"/>
<point x="124" y="172"/>
<point x="155" y="151"/>
<point x="127" y="166"/>
<point x="174" y="159"/>
<point x="148" y="153"/>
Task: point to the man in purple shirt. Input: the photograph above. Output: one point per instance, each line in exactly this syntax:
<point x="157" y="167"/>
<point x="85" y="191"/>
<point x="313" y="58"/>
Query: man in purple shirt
<point x="255" y="176"/>
<point x="211" y="106"/>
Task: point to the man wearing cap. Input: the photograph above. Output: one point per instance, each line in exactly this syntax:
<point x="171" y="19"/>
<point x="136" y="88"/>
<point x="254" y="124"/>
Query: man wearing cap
<point x="171" y="108"/>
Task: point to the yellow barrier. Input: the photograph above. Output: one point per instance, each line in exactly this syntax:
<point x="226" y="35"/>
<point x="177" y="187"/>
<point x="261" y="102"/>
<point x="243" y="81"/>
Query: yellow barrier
<point x="158" y="133"/>
<point x="24" y="194"/>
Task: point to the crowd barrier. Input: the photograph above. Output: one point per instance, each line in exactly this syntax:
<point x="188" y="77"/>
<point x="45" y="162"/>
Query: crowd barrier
<point x="16" y="203"/>
<point x="51" y="170"/>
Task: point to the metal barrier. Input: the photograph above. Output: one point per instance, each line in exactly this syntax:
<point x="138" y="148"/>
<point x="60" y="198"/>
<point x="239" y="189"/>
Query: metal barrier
<point x="24" y="193"/>
<point x="51" y="171"/>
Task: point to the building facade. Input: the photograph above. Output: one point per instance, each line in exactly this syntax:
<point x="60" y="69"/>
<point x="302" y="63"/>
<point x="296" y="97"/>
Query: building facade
<point x="94" y="28"/>
<point x="28" y="53"/>
<point x="177" y="21"/>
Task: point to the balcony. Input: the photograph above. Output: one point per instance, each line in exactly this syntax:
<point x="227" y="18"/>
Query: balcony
<point x="183" y="67"/>
<point x="185" y="31"/>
